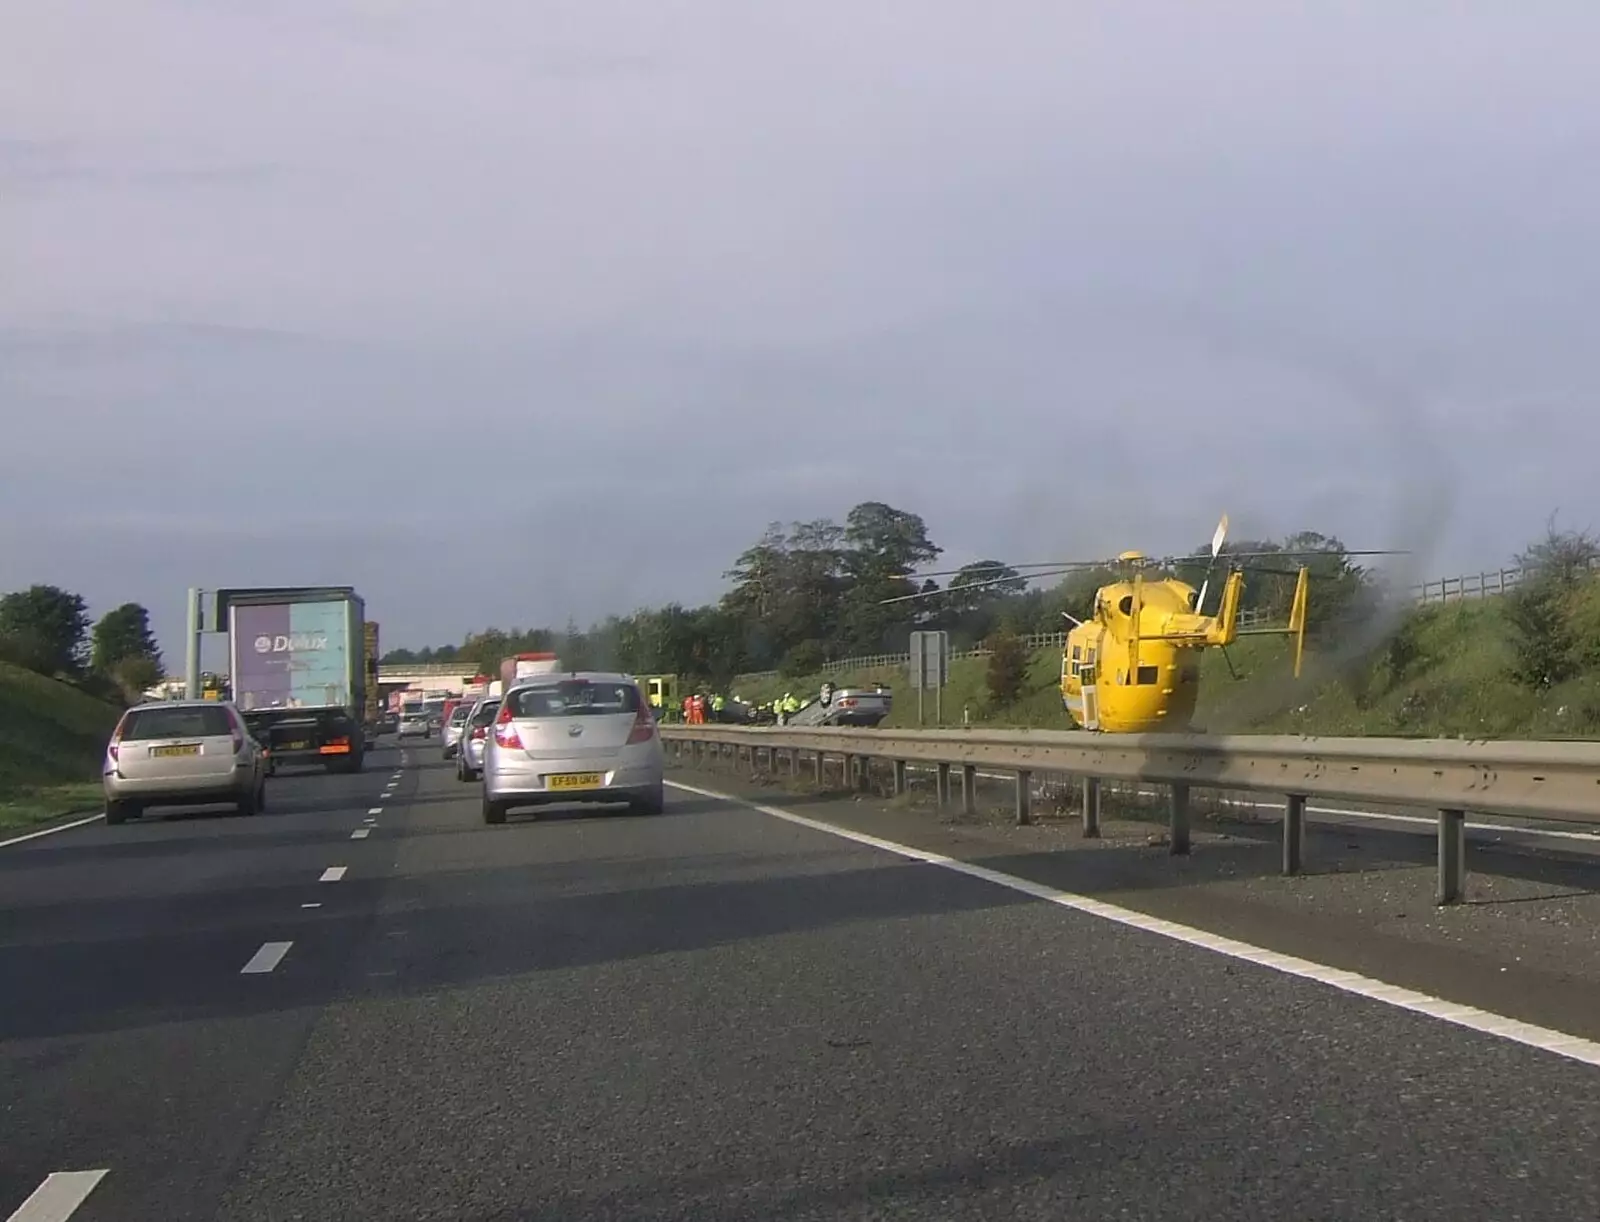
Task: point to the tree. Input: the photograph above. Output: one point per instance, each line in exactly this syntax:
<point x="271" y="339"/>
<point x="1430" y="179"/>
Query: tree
<point x="1008" y="668"/>
<point x="984" y="581"/>
<point x="1547" y="647"/>
<point x="43" y="629"/>
<point x="123" y="634"/>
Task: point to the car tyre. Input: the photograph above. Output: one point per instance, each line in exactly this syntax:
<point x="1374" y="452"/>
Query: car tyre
<point x="655" y="804"/>
<point x="116" y="812"/>
<point x="494" y="812"/>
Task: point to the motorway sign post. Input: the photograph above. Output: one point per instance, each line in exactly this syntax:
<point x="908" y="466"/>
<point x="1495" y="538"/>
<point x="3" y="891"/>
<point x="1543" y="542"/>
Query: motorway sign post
<point x="930" y="668"/>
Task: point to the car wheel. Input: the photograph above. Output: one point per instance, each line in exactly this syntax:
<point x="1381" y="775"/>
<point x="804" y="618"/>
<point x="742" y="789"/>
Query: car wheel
<point x="655" y="804"/>
<point x="494" y="812"/>
<point x="116" y="812"/>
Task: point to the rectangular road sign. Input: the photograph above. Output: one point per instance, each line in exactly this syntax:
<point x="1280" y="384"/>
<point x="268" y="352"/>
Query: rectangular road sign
<point x="930" y="660"/>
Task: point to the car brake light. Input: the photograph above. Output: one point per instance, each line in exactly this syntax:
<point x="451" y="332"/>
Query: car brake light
<point x="479" y="733"/>
<point x="505" y="734"/>
<point x="644" y="724"/>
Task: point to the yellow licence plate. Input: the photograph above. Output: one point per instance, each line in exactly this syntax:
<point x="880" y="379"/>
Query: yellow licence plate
<point x="575" y="780"/>
<point x="299" y="746"/>
<point x="186" y="749"/>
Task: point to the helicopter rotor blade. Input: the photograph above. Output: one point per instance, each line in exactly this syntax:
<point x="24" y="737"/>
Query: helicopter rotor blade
<point x="1216" y="546"/>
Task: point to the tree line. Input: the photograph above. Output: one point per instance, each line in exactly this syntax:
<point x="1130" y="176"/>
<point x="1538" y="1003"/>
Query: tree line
<point x="805" y="593"/>
<point x="48" y="630"/>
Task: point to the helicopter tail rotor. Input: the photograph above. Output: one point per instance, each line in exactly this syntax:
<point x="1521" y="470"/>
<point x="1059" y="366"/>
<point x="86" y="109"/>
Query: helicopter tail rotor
<point x="1216" y="546"/>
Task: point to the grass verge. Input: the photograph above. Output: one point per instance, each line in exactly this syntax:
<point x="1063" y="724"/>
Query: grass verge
<point x="52" y="739"/>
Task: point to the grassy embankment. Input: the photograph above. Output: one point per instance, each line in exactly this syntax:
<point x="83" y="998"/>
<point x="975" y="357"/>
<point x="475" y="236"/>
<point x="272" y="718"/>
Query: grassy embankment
<point x="1454" y="680"/>
<point x="52" y="739"/>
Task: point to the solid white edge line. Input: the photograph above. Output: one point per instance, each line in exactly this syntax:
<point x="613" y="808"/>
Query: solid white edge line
<point x="361" y="833"/>
<point x="264" y="960"/>
<point x="333" y="874"/>
<point x="1560" y="1043"/>
<point x="51" y="831"/>
<point x="58" y="1197"/>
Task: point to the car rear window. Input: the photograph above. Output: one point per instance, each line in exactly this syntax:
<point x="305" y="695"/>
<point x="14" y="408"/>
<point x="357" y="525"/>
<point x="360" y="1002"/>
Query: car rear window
<point x="572" y="698"/>
<point x="486" y="714"/>
<point x="199" y="721"/>
<point x="460" y="713"/>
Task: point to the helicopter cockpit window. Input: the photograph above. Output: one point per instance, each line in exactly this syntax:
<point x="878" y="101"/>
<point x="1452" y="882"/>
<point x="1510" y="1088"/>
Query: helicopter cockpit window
<point x="1126" y="604"/>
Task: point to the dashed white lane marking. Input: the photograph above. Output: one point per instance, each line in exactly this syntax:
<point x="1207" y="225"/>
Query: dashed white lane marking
<point x="361" y="833"/>
<point x="58" y="1197"/>
<point x="268" y="957"/>
<point x="333" y="874"/>
<point x="376" y="810"/>
<point x="311" y="905"/>
<point x="1559" y="1042"/>
<point x="370" y="819"/>
<point x="51" y="831"/>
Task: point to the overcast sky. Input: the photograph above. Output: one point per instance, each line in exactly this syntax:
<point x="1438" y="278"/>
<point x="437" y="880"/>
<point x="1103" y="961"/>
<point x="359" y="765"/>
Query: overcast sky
<point x="509" y="310"/>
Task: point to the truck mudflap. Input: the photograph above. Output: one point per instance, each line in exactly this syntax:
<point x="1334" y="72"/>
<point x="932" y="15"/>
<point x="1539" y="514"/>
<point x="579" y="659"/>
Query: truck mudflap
<point x="334" y="740"/>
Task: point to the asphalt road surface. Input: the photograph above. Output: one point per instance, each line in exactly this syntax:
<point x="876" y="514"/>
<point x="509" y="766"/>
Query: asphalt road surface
<point x="711" y="1014"/>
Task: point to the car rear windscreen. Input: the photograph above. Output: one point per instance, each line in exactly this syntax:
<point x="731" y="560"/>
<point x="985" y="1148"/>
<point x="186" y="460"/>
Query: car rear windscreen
<point x="460" y="713"/>
<point x="486" y="714"/>
<point x="572" y="698"/>
<point x="200" y="721"/>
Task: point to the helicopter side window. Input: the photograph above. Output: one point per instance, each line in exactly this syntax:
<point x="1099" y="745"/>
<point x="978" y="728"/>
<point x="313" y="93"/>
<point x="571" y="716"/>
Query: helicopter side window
<point x="1125" y="604"/>
<point x="1148" y="675"/>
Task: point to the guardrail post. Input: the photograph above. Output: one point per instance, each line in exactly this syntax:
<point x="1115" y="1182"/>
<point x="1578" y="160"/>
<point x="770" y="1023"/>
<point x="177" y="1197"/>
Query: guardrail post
<point x="1178" y="821"/>
<point x="816" y="767"/>
<point x="1024" y="797"/>
<point x="1091" y="807"/>
<point x="1452" y="855"/>
<point x="899" y="777"/>
<point x="864" y="775"/>
<point x="1294" y="833"/>
<point x="942" y="787"/>
<point x="969" y="789"/>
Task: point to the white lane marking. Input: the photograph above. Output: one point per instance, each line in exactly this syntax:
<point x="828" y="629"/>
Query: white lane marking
<point x="311" y="905"/>
<point x="376" y="810"/>
<point x="361" y="833"/>
<point x="1559" y="1042"/>
<point x="333" y="874"/>
<point x="51" y="831"/>
<point x="268" y="957"/>
<point x="58" y="1197"/>
<point x="370" y="819"/>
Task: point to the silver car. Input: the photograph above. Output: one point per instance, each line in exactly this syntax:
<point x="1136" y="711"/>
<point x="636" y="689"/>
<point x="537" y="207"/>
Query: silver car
<point x="183" y="753"/>
<point x="581" y="737"/>
<point x="414" y="721"/>
<point x="469" y="755"/>
<point x="452" y="729"/>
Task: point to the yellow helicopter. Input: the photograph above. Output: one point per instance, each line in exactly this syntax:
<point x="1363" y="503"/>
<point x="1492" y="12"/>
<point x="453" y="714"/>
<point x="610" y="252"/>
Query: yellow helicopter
<point x="1134" y="665"/>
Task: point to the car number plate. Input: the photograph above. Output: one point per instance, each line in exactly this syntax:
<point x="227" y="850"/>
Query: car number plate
<point x="575" y="780"/>
<point x="299" y="746"/>
<point x="186" y="749"/>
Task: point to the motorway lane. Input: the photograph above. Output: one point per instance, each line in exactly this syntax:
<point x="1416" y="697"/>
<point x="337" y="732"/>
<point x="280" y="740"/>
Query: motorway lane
<point x="129" y="1039"/>
<point x="716" y="1015"/>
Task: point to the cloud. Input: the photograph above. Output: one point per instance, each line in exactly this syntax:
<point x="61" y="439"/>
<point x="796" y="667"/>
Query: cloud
<point x="509" y="311"/>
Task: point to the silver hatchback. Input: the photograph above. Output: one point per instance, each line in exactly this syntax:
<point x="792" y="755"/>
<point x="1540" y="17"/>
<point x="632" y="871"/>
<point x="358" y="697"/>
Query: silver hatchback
<point x="469" y="754"/>
<point x="183" y="753"/>
<point x="581" y="737"/>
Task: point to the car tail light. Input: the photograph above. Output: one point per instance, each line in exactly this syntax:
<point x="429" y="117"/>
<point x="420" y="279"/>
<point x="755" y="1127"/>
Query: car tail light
<point x="116" y="737"/>
<point x="644" y="724"/>
<point x="505" y="734"/>
<point x="847" y="703"/>
<point x="479" y="733"/>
